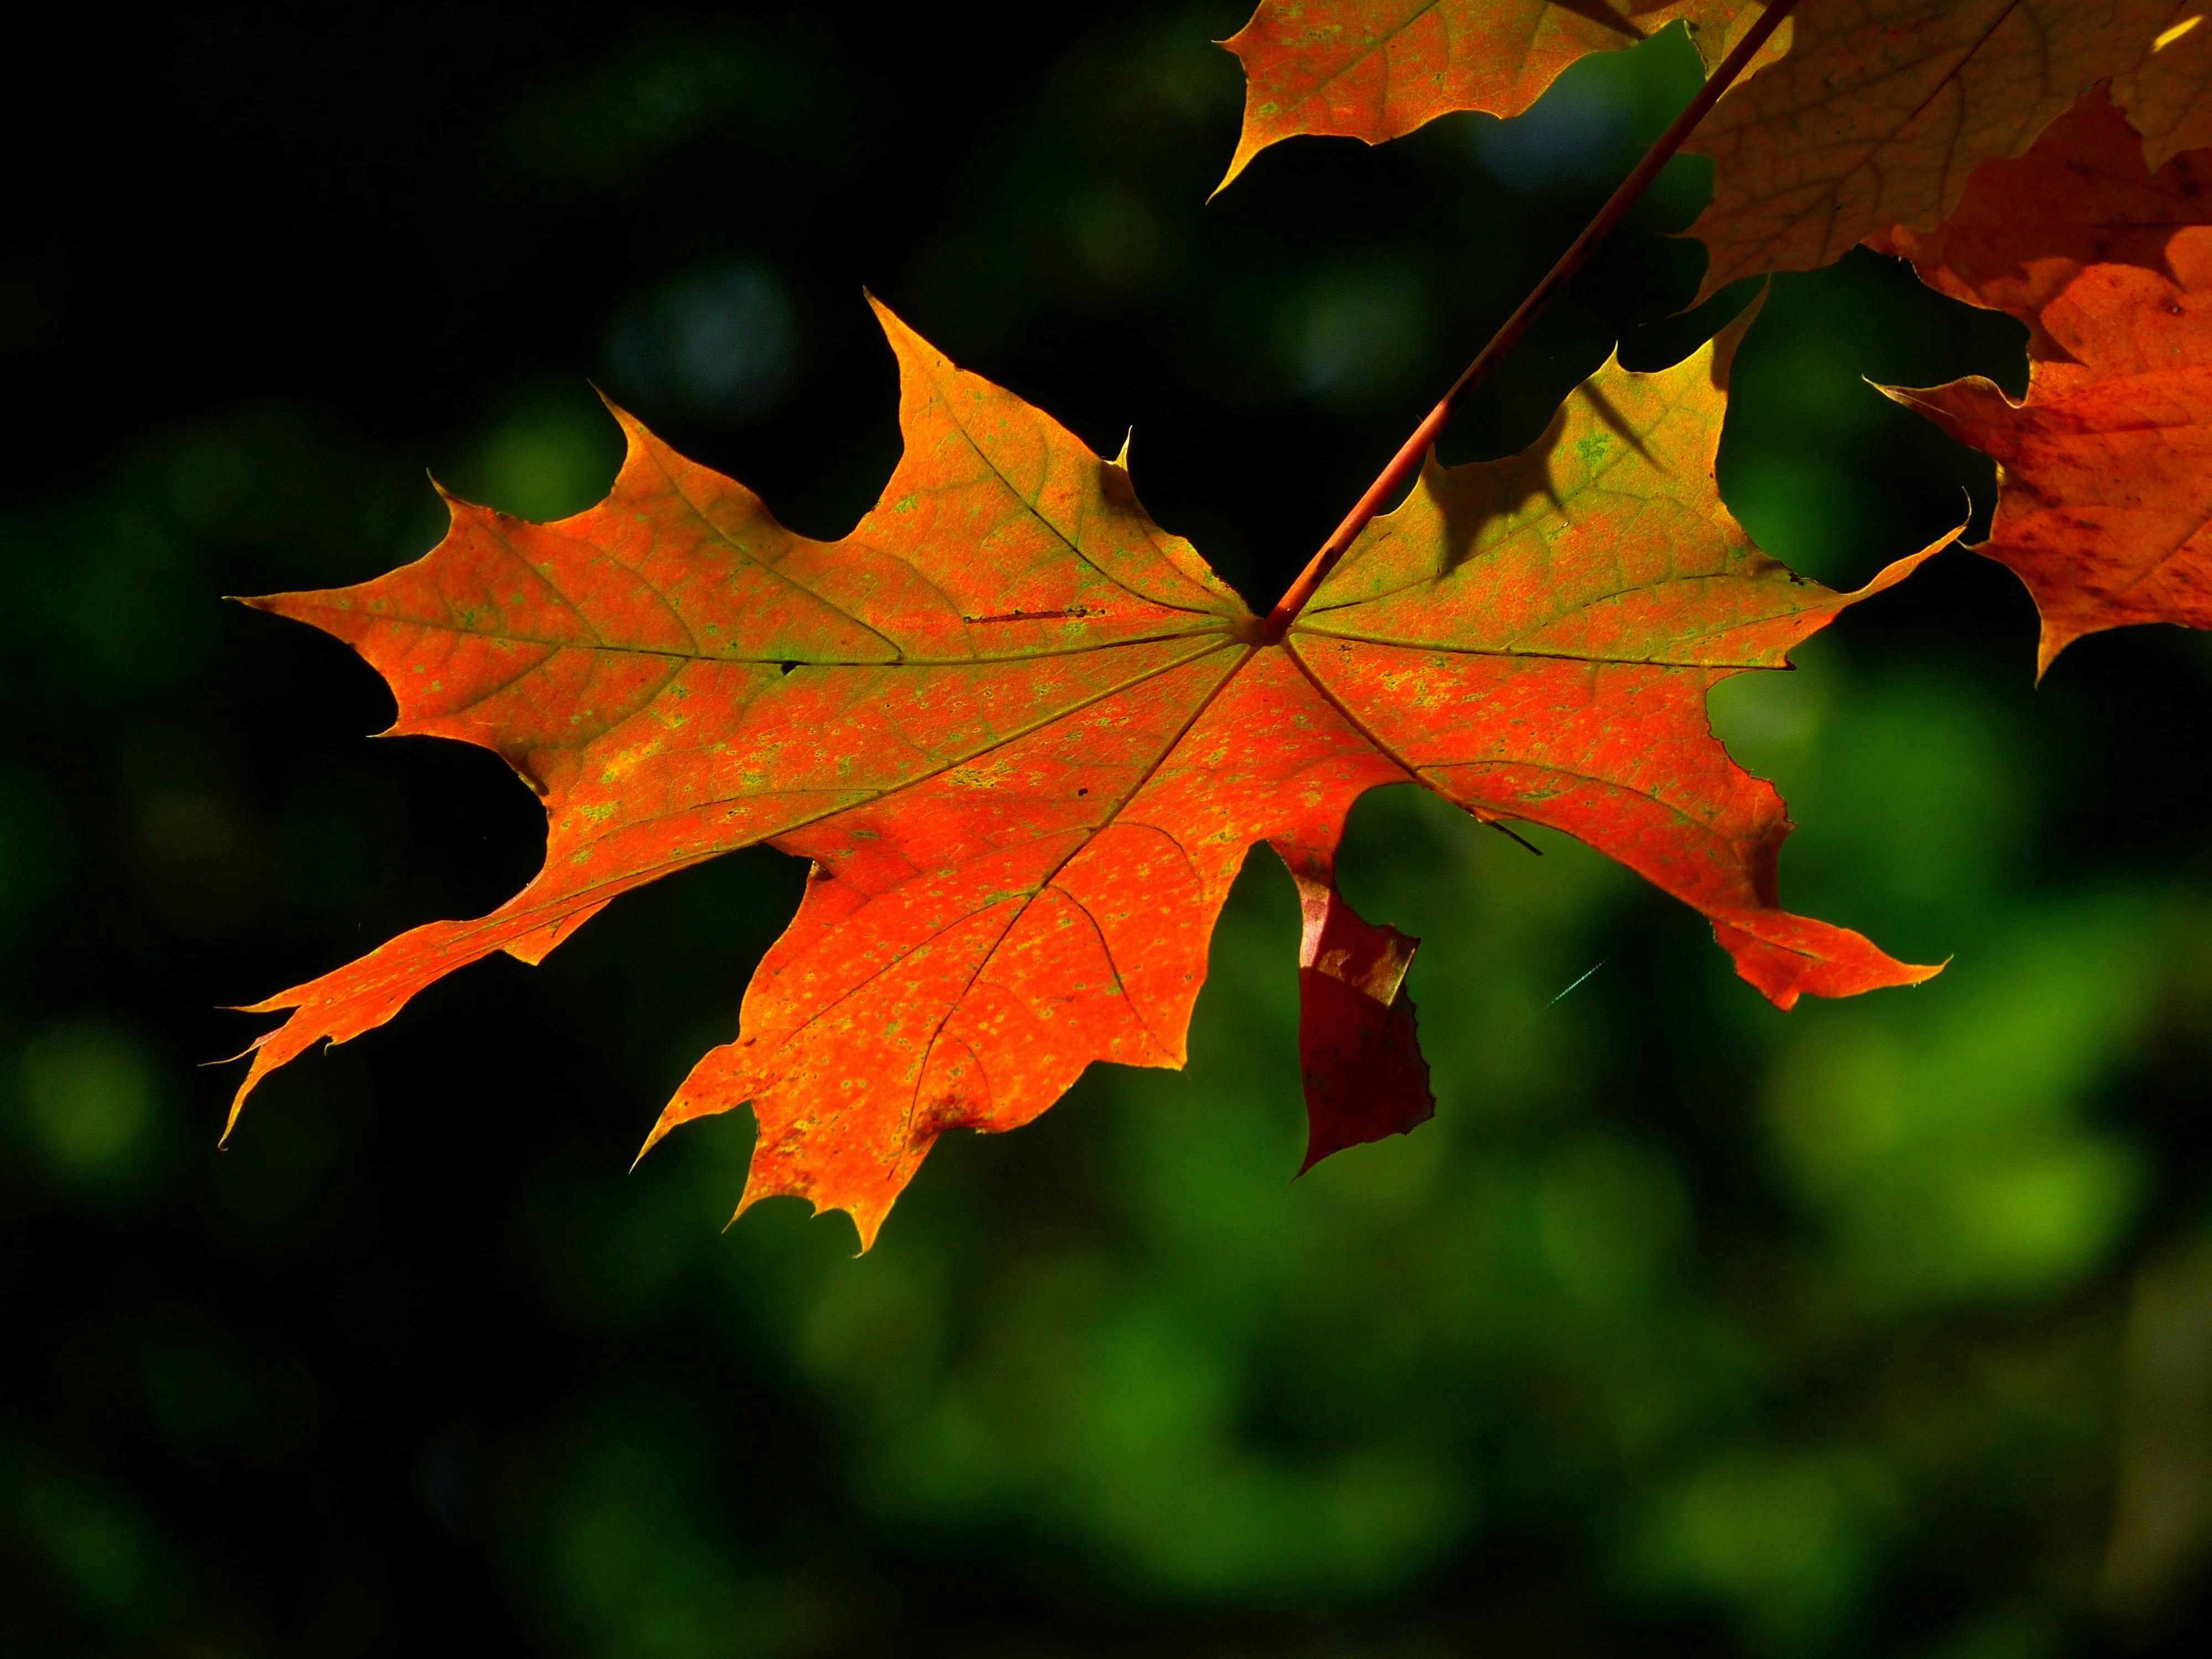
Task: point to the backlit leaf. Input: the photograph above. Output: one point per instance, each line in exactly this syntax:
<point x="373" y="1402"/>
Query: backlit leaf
<point x="1883" y="108"/>
<point x="1859" y="116"/>
<point x="2027" y="228"/>
<point x="1375" y="69"/>
<point x="1027" y="737"/>
<point x="2105" y="470"/>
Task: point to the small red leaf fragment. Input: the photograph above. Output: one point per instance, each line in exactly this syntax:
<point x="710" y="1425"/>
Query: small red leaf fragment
<point x="1358" y="1050"/>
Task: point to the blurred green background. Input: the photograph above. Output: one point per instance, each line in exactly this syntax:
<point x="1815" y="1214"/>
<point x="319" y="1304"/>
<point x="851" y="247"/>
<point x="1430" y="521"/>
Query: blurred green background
<point x="1686" y="1327"/>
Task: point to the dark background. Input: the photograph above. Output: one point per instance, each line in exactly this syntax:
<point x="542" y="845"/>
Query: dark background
<point x="1686" y="1325"/>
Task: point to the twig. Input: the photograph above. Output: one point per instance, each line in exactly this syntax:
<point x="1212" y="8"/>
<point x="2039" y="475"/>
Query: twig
<point x="1512" y="837"/>
<point x="1407" y="461"/>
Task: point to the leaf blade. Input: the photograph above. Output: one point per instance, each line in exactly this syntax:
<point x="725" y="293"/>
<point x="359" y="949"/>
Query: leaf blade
<point x="1029" y="742"/>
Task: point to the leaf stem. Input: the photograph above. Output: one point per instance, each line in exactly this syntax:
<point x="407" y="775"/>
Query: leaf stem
<point x="1407" y="461"/>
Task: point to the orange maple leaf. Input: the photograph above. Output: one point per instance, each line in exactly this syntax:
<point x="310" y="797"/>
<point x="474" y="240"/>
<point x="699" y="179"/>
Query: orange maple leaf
<point x="2104" y="469"/>
<point x="1027" y="739"/>
<point x="1375" y="69"/>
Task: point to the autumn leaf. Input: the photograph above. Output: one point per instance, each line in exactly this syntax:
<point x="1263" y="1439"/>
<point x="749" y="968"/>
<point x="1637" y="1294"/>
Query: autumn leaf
<point x="1375" y="69"/>
<point x="2105" y="470"/>
<point x="1027" y="737"/>
<point x="2027" y="226"/>
<point x="1883" y="109"/>
<point x="1862" y="116"/>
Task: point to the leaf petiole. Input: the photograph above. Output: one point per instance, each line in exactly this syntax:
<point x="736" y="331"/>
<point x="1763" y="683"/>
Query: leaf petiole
<point x="1407" y="461"/>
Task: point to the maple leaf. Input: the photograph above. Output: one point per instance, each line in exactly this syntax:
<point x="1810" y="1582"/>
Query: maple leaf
<point x="1883" y="109"/>
<point x="2104" y="469"/>
<point x="2027" y="228"/>
<point x="1375" y="69"/>
<point x="1027" y="737"/>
